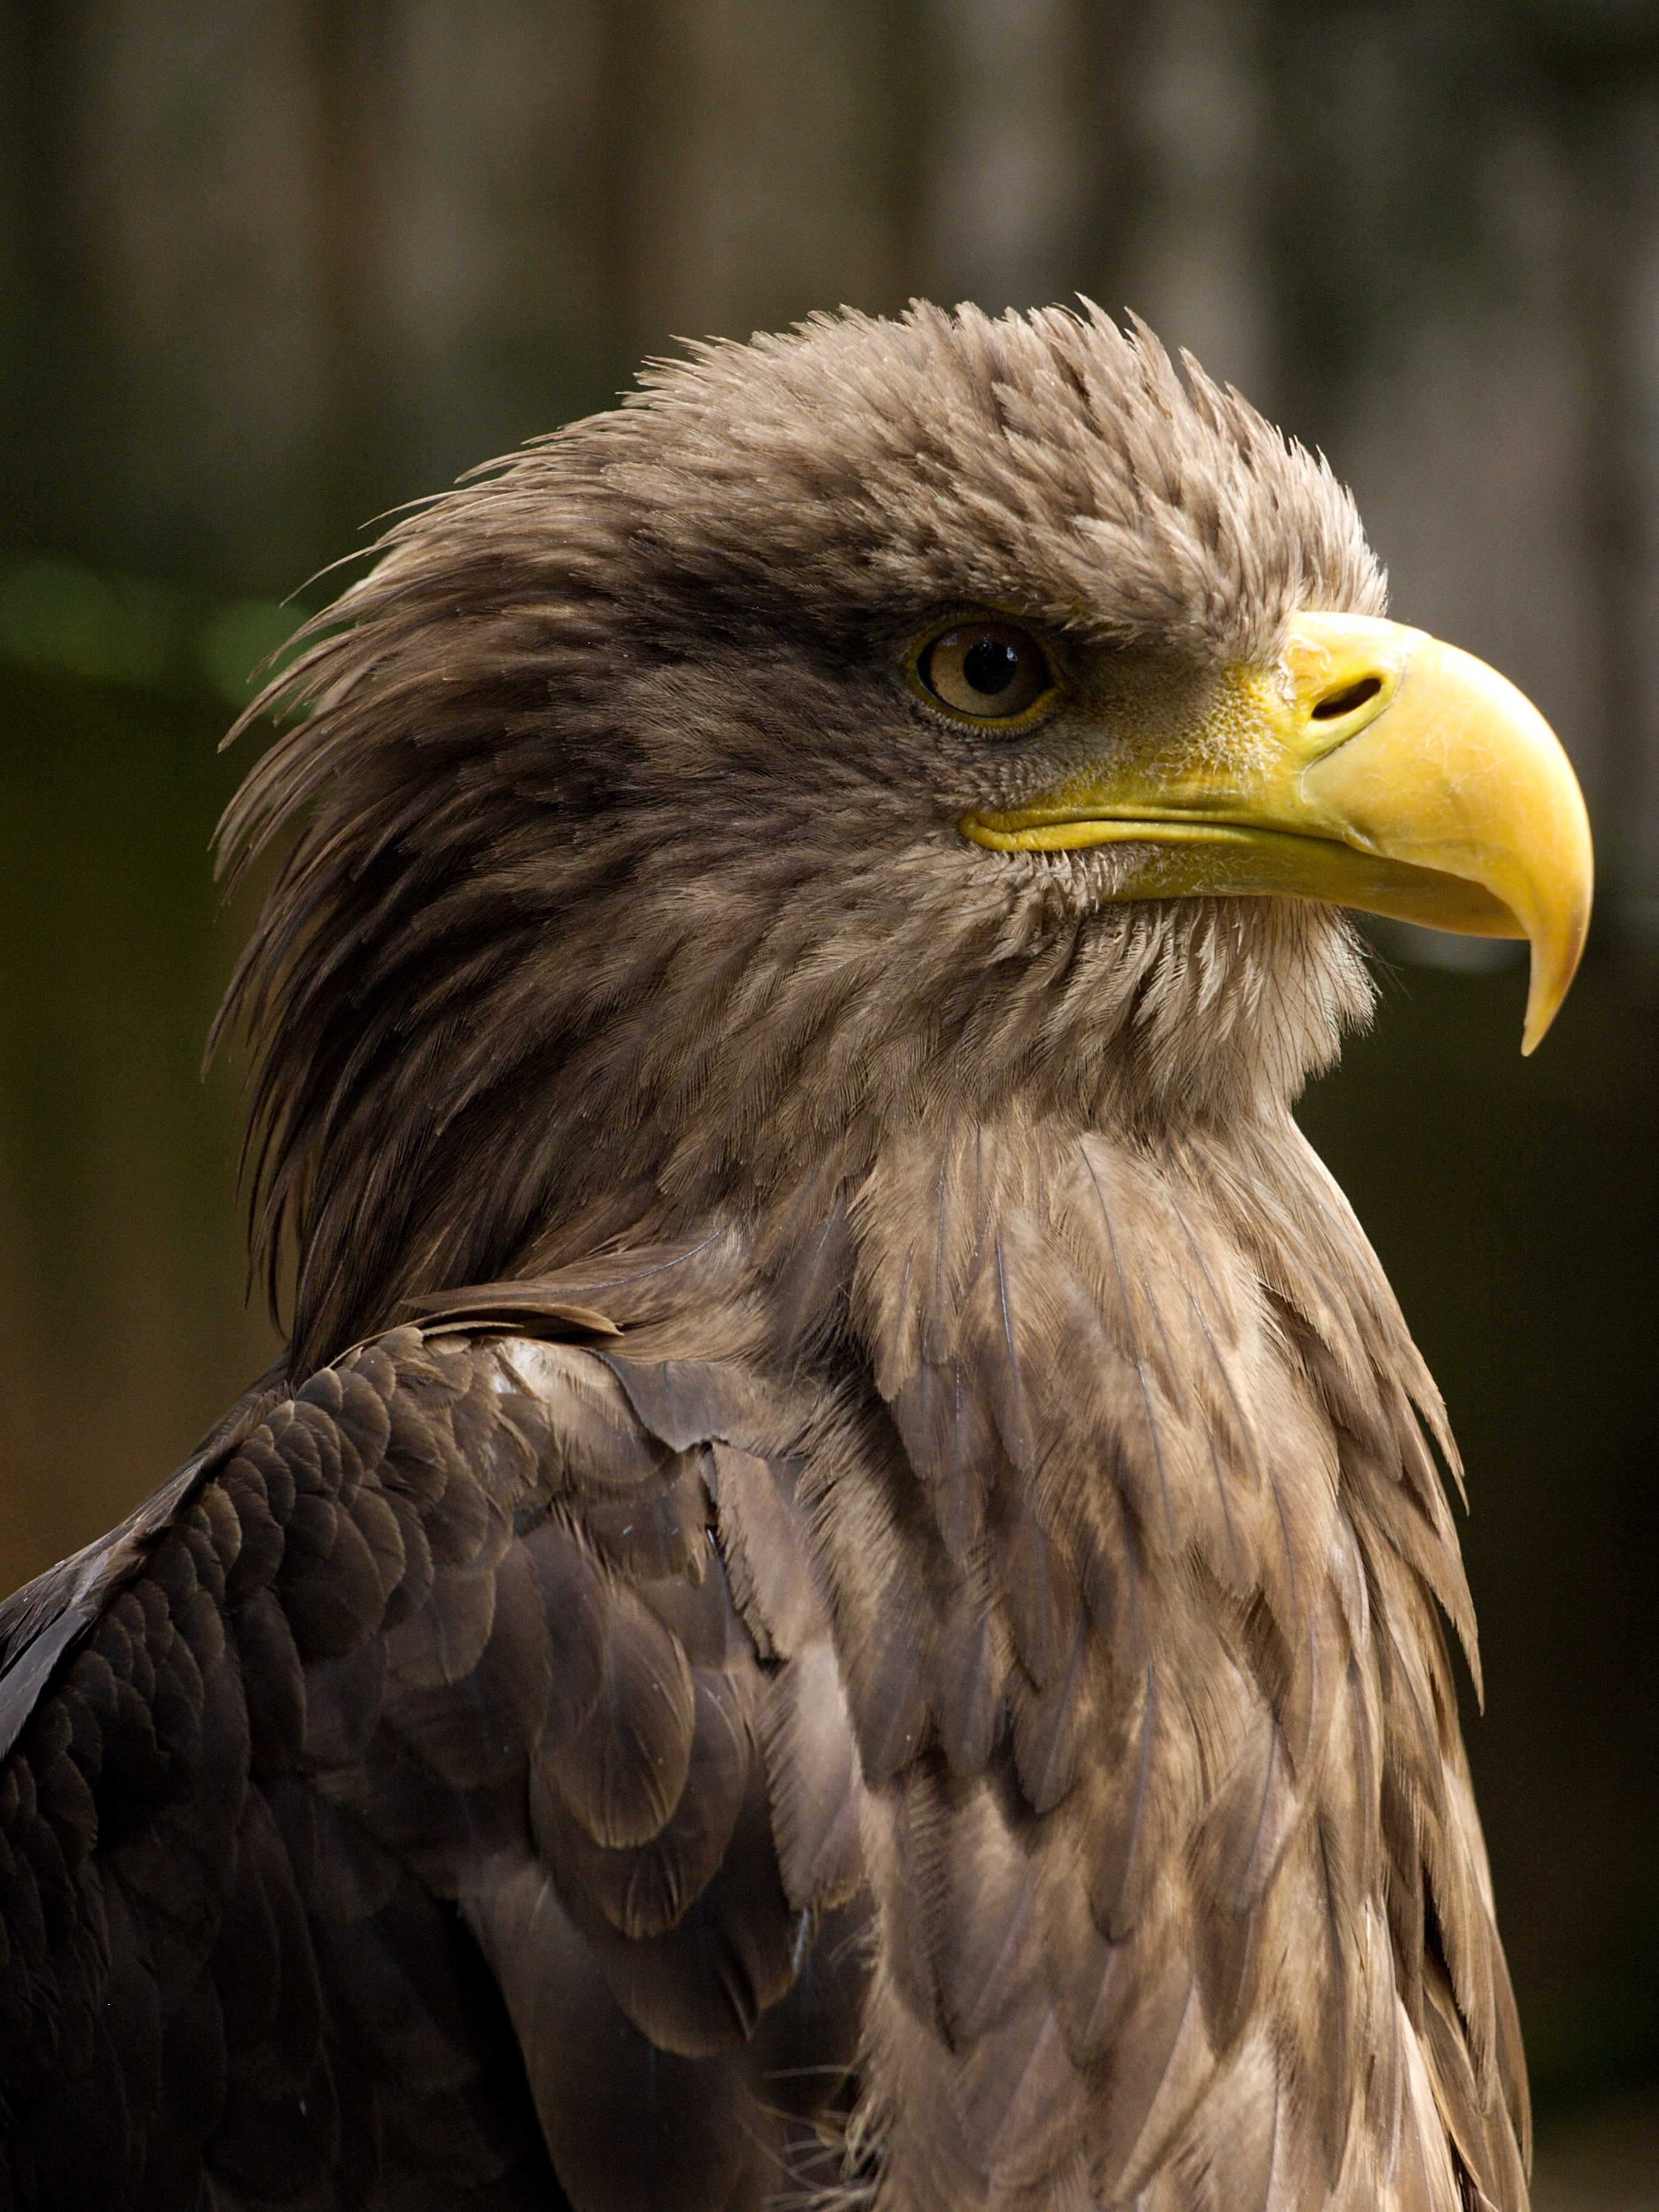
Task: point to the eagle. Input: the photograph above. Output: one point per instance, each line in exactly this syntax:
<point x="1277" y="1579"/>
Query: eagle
<point x="837" y="1600"/>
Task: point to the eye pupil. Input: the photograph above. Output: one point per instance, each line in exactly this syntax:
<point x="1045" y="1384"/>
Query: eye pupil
<point x="991" y="665"/>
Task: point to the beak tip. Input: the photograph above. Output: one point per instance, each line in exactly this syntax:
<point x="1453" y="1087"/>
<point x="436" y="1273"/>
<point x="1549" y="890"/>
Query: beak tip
<point x="1552" y="970"/>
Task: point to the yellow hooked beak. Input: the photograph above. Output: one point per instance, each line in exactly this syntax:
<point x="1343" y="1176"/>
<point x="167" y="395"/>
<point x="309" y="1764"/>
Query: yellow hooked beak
<point x="1374" y="766"/>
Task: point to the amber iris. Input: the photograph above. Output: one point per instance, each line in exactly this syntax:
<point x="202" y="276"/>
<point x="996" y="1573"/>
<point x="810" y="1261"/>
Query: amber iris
<point x="989" y="669"/>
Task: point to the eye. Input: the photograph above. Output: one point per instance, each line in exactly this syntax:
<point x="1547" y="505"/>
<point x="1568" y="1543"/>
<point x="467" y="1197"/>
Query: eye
<point x="989" y="669"/>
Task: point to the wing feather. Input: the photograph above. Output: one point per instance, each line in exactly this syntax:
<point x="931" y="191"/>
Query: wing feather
<point x="407" y="1677"/>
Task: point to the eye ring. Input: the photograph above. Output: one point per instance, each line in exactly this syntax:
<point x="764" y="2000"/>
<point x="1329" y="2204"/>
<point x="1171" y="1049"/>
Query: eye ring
<point x="982" y="669"/>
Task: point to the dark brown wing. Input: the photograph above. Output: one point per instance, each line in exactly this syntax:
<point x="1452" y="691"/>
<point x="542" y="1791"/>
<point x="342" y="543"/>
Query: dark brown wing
<point x="411" y="1771"/>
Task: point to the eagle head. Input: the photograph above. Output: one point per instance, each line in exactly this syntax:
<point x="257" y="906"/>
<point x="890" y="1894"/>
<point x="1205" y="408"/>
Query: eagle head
<point x="889" y="718"/>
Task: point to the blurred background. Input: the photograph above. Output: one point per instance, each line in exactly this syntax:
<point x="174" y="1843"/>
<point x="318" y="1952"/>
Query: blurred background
<point x="270" y="267"/>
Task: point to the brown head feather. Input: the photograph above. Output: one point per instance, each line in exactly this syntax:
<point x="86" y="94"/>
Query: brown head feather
<point x="626" y="874"/>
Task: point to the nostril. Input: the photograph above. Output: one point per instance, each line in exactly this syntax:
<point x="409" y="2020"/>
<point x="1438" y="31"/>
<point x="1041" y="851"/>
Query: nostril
<point x="1344" y="702"/>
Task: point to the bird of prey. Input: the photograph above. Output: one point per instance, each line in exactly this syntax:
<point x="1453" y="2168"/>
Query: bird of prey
<point x="838" y="1599"/>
